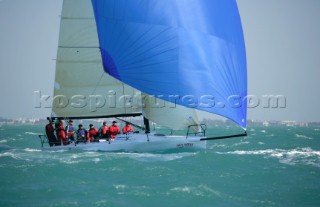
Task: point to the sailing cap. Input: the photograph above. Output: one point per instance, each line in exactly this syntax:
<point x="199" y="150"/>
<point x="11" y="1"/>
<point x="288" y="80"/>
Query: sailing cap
<point x="114" y="122"/>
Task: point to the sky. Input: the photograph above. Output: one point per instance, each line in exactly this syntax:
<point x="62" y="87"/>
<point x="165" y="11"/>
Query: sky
<point x="282" y="43"/>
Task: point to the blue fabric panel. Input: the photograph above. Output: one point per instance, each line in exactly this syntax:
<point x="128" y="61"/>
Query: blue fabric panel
<point x="189" y="48"/>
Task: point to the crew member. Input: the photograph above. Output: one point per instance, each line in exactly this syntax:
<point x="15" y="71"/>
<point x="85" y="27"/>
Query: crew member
<point x="92" y="135"/>
<point x="70" y="130"/>
<point x="114" y="130"/>
<point x="50" y="134"/>
<point x="127" y="128"/>
<point x="104" y="131"/>
<point x="62" y="138"/>
<point x="81" y="134"/>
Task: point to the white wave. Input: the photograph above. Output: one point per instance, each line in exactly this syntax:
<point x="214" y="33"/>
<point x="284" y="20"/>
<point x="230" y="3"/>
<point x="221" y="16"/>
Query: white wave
<point x="14" y="155"/>
<point x="96" y="160"/>
<point x="141" y="191"/>
<point x="216" y="145"/>
<point x="302" y="136"/>
<point x="33" y="133"/>
<point x="270" y="135"/>
<point x="65" y="203"/>
<point x="316" y="129"/>
<point x="120" y="186"/>
<point x="263" y="131"/>
<point x="240" y="143"/>
<point x="32" y="150"/>
<point x="200" y="191"/>
<point x="261" y="143"/>
<point x="68" y="161"/>
<point x="3" y="141"/>
<point x="292" y="156"/>
<point x="103" y="202"/>
<point x="150" y="157"/>
<point x="182" y="189"/>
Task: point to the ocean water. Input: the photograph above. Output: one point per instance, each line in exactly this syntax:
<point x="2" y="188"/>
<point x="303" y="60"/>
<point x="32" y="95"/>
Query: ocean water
<point x="273" y="166"/>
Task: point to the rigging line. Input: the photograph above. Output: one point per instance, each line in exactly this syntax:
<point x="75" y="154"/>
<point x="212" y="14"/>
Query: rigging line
<point x="74" y="47"/>
<point x="138" y="126"/>
<point x="76" y="18"/>
<point x="94" y="90"/>
<point x="98" y="83"/>
<point x="124" y="99"/>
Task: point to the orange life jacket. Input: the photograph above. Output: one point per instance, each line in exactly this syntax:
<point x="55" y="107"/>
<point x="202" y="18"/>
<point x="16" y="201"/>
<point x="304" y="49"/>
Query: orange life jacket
<point x="127" y="129"/>
<point x="104" y="130"/>
<point x="114" y="130"/>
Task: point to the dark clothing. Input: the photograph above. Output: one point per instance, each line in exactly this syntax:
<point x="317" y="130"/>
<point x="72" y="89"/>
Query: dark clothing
<point x="50" y="134"/>
<point x="82" y="135"/>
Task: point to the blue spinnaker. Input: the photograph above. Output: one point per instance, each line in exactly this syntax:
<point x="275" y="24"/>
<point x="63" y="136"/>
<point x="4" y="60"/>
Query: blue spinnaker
<point x="191" y="49"/>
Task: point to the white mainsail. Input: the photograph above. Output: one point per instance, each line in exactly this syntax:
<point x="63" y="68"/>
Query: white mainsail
<point x="82" y="88"/>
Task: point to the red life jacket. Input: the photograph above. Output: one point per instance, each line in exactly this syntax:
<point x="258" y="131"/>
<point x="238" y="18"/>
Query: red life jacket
<point x="70" y="129"/>
<point x="92" y="133"/>
<point x="104" y="130"/>
<point x="61" y="134"/>
<point x="49" y="129"/>
<point x="114" y="130"/>
<point x="127" y="129"/>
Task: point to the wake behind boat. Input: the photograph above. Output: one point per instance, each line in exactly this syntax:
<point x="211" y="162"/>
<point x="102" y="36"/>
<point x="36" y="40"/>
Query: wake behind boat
<point x="126" y="59"/>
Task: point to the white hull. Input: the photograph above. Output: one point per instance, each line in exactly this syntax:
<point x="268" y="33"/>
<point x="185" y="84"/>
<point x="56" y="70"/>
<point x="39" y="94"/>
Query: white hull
<point x="139" y="143"/>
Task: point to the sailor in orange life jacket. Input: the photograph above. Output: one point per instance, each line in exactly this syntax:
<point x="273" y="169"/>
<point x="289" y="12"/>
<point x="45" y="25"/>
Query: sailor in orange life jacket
<point x="70" y="130"/>
<point x="62" y="138"/>
<point x="104" y="131"/>
<point x="127" y="128"/>
<point x="114" y="130"/>
<point x="92" y="134"/>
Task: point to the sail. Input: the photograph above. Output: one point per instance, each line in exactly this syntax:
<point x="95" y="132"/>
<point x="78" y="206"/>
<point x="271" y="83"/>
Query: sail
<point x="82" y="88"/>
<point x="187" y="52"/>
<point x="168" y="114"/>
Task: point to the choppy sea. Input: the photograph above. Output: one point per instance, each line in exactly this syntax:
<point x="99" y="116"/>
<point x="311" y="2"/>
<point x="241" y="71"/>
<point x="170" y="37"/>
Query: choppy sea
<point x="273" y="166"/>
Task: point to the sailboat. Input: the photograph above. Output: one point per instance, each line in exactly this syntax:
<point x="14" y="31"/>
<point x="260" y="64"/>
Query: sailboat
<point x="166" y="60"/>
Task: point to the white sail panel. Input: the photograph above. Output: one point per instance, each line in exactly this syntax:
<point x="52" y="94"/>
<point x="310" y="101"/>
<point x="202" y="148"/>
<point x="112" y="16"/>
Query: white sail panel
<point x="168" y="114"/>
<point x="82" y="88"/>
